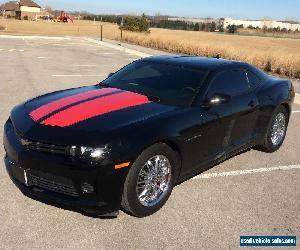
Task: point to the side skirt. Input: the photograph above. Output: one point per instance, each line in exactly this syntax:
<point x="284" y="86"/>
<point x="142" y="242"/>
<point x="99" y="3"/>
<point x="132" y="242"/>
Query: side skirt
<point x="214" y="162"/>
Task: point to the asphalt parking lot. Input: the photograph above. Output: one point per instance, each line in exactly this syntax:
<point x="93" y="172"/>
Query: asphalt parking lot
<point x="262" y="196"/>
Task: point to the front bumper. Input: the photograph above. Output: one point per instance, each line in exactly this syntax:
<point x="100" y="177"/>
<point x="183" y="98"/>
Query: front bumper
<point x="55" y="180"/>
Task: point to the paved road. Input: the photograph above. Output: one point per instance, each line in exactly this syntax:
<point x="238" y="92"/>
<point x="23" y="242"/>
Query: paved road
<point x="203" y="213"/>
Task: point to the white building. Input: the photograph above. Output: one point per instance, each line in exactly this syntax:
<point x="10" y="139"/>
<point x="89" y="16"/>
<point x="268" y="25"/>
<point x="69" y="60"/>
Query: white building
<point x="262" y="23"/>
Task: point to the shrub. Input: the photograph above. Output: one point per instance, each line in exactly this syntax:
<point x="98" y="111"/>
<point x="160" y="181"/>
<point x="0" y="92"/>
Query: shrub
<point x="25" y="18"/>
<point x="265" y="29"/>
<point x="2" y="28"/>
<point x="232" y="29"/>
<point x="136" y="24"/>
<point x="297" y="74"/>
<point x="268" y="66"/>
<point x="220" y="27"/>
<point x="278" y="70"/>
<point x="284" y="30"/>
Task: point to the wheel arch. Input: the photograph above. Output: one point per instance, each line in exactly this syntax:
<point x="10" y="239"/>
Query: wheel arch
<point x="173" y="145"/>
<point x="287" y="107"/>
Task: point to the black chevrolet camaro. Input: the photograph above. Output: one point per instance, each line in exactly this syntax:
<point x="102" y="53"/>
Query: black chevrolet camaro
<point x="126" y="142"/>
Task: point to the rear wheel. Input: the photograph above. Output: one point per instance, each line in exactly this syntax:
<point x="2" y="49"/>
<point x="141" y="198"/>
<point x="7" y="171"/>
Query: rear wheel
<point x="276" y="131"/>
<point x="150" y="180"/>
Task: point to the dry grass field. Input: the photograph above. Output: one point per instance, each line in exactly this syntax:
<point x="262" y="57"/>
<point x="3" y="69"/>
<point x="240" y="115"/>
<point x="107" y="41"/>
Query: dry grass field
<point x="277" y="55"/>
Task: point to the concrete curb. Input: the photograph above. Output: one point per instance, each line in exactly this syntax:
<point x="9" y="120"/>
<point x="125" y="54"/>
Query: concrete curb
<point x="297" y="99"/>
<point x="119" y="47"/>
<point x="36" y="37"/>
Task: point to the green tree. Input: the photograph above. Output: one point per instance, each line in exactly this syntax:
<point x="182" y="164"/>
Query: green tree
<point x="197" y="27"/>
<point x="143" y="24"/>
<point x="203" y="27"/>
<point x="221" y="27"/>
<point x="213" y="27"/>
<point x="136" y="24"/>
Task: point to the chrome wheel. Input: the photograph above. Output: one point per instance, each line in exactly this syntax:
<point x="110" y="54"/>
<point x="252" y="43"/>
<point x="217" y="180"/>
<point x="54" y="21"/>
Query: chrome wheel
<point x="153" y="180"/>
<point x="278" y="129"/>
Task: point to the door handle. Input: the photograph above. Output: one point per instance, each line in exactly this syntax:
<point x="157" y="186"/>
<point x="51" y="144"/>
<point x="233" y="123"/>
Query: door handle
<point x="252" y="104"/>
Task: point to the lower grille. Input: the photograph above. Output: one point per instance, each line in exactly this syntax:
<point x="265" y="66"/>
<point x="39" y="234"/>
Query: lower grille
<point x="52" y="183"/>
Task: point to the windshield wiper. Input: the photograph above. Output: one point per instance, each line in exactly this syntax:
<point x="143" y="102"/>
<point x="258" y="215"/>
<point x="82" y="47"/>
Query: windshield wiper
<point x="150" y="97"/>
<point x="153" y="98"/>
<point x="101" y="84"/>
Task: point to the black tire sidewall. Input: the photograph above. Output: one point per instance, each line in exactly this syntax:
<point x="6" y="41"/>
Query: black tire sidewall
<point x="130" y="200"/>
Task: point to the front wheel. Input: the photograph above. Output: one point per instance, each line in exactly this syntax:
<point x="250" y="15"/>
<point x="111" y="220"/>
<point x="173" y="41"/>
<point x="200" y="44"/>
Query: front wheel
<point x="276" y="131"/>
<point x="150" y="180"/>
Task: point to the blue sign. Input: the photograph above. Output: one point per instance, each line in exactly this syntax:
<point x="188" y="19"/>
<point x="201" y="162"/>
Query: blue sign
<point x="268" y="241"/>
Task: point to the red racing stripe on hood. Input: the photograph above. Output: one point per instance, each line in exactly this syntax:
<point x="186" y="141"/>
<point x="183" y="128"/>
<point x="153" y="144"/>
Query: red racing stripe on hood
<point x="96" y="107"/>
<point x="48" y="108"/>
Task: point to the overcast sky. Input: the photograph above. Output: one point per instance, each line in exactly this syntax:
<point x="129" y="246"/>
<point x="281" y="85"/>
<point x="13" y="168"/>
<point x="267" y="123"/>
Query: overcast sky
<point x="244" y="9"/>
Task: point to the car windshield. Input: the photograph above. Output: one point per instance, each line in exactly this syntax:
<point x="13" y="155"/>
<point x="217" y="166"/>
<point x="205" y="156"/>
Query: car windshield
<point x="166" y="83"/>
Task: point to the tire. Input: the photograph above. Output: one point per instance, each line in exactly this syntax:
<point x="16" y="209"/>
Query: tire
<point x="269" y="145"/>
<point x="132" y="201"/>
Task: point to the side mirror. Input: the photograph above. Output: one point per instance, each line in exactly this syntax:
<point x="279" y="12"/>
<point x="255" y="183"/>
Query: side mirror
<point x="216" y="100"/>
<point x="110" y="74"/>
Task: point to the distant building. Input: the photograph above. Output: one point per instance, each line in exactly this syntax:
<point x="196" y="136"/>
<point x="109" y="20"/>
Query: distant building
<point x="246" y="23"/>
<point x="193" y="20"/>
<point x="261" y="24"/>
<point x="23" y="9"/>
<point x="10" y="9"/>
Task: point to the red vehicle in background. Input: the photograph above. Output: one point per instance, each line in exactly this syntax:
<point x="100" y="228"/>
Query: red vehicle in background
<point x="64" y="17"/>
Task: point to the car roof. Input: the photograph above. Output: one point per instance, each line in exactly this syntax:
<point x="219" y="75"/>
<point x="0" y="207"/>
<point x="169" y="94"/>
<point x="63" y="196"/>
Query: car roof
<point x="204" y="63"/>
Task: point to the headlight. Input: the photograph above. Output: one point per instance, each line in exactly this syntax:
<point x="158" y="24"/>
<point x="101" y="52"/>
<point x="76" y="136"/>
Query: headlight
<point x="89" y="154"/>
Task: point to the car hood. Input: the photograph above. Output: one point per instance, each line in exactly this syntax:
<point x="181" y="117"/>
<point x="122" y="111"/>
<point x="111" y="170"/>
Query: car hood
<point x="83" y="115"/>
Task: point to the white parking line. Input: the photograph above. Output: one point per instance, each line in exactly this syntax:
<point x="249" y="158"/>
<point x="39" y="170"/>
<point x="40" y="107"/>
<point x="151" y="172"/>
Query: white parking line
<point x="85" y="65"/>
<point x="42" y="57"/>
<point x="118" y="47"/>
<point x="35" y="37"/>
<point x="12" y="50"/>
<point x="296" y="111"/>
<point x="76" y="75"/>
<point x="243" y="172"/>
<point x="107" y="53"/>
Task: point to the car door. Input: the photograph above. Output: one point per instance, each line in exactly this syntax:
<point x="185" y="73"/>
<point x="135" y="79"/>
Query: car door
<point x="238" y="111"/>
<point x="246" y="108"/>
<point x="211" y="136"/>
<point x="225" y="119"/>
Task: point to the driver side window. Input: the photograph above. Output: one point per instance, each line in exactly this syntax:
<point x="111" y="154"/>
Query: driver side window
<point x="231" y="83"/>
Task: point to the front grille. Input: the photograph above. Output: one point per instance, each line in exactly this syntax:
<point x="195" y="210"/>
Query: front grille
<point x="40" y="146"/>
<point x="44" y="147"/>
<point x="51" y="183"/>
